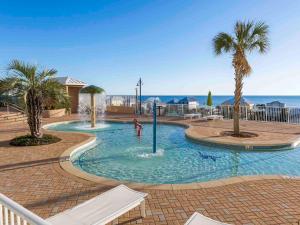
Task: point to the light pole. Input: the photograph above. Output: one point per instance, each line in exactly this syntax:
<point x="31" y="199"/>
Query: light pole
<point x="154" y="127"/>
<point x="136" y="100"/>
<point x="139" y="84"/>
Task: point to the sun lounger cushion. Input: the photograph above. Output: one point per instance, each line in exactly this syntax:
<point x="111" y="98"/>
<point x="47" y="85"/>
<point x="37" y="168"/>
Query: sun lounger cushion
<point x="101" y="209"/>
<point x="198" y="219"/>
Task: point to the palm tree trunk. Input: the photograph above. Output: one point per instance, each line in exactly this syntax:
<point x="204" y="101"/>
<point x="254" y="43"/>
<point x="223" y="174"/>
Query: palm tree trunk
<point x="34" y="110"/>
<point x="237" y="100"/>
<point x="241" y="68"/>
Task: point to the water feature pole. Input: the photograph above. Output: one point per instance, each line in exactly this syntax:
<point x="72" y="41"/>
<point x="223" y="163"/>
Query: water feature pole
<point x="154" y="127"/>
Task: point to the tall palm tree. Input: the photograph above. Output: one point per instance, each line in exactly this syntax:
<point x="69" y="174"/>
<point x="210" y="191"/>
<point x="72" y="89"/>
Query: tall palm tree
<point x="28" y="82"/>
<point x="247" y="37"/>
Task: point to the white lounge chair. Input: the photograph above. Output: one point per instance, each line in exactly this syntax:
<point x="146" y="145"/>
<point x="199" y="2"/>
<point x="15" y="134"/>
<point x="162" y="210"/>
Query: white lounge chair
<point x="99" y="210"/>
<point x="192" y="115"/>
<point x="214" y="117"/>
<point x="199" y="219"/>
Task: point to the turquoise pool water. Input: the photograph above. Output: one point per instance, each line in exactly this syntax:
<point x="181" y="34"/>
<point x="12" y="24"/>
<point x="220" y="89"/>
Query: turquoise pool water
<point x="121" y="155"/>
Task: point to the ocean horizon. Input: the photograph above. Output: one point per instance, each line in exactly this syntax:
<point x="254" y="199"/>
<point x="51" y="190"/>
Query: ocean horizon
<point x="289" y="100"/>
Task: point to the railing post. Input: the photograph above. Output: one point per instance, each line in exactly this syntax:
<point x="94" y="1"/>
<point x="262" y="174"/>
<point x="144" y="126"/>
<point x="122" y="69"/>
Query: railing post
<point x="266" y="114"/>
<point x="288" y="115"/>
<point x="246" y="113"/>
<point x="1" y="214"/>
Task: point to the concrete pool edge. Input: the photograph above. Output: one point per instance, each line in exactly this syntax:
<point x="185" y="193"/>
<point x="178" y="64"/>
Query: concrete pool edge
<point x="68" y="166"/>
<point x="239" y="146"/>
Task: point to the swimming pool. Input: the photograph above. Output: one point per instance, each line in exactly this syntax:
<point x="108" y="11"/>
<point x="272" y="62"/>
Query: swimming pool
<point x="119" y="154"/>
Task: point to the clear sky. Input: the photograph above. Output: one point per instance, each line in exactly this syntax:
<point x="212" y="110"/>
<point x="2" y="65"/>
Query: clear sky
<point x="167" y="43"/>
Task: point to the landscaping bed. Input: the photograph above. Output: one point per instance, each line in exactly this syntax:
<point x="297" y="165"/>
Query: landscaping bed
<point x="28" y="140"/>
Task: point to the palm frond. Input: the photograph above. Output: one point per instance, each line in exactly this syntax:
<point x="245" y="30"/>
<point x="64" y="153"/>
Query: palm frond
<point x="51" y="85"/>
<point x="46" y="74"/>
<point x="259" y="38"/>
<point x="239" y="31"/>
<point x="21" y="69"/>
<point x="7" y="84"/>
<point x="223" y="42"/>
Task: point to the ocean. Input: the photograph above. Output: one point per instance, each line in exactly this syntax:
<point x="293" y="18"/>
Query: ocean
<point x="291" y="101"/>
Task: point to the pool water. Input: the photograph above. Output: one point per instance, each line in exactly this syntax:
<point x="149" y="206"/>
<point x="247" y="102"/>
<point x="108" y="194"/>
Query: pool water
<point x="121" y="155"/>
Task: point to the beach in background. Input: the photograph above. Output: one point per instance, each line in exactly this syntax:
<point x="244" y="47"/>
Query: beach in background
<point x="290" y="101"/>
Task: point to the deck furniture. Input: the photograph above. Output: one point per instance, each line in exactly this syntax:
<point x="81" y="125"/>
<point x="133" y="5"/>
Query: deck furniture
<point x="192" y="115"/>
<point x="199" y="219"/>
<point x="214" y="117"/>
<point x="100" y="210"/>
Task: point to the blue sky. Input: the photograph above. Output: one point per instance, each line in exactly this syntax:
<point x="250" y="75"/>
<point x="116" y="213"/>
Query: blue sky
<point x="167" y="43"/>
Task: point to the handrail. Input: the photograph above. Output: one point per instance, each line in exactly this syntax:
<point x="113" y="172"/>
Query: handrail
<point x="13" y="106"/>
<point x="22" y="214"/>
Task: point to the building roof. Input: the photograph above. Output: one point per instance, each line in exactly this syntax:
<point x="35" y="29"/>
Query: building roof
<point x="243" y="102"/>
<point x="276" y="104"/>
<point x="70" y="81"/>
<point x="173" y="101"/>
<point x="152" y="99"/>
<point x="187" y="100"/>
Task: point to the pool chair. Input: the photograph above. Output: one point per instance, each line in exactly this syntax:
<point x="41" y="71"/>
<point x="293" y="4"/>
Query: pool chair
<point x="214" y="117"/>
<point x="199" y="219"/>
<point x="192" y="115"/>
<point x="100" y="210"/>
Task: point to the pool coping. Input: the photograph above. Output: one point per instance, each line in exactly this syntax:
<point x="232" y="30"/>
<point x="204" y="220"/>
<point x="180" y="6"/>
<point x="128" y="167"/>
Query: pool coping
<point x="67" y="165"/>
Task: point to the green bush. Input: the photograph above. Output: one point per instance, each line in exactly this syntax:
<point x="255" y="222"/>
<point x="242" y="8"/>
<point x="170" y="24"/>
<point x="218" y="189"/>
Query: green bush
<point x="28" y="140"/>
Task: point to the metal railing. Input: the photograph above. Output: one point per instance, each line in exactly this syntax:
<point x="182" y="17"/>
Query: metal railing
<point x="263" y="113"/>
<point x="255" y="113"/>
<point x="12" y="213"/>
<point x="13" y="107"/>
<point x="181" y="109"/>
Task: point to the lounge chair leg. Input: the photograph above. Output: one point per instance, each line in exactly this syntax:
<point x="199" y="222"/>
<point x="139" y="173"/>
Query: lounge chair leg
<point x="143" y="209"/>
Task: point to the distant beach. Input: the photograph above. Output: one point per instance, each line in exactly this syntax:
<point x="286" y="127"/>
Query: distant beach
<point x="291" y="101"/>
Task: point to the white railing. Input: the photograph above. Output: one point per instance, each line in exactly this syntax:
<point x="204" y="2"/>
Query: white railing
<point x="255" y="113"/>
<point x="181" y="109"/>
<point x="263" y="113"/>
<point x="12" y="213"/>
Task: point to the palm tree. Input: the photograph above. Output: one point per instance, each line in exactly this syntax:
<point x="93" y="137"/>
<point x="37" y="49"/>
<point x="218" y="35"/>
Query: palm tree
<point x="247" y="37"/>
<point x="26" y="81"/>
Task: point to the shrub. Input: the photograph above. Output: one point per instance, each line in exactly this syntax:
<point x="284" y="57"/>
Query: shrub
<point x="209" y="99"/>
<point x="28" y="140"/>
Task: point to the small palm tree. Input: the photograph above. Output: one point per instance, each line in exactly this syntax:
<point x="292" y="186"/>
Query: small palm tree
<point x="247" y="37"/>
<point x="26" y="81"/>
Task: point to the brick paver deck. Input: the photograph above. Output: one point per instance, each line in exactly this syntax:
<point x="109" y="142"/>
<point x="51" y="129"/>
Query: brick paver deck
<point x="32" y="176"/>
